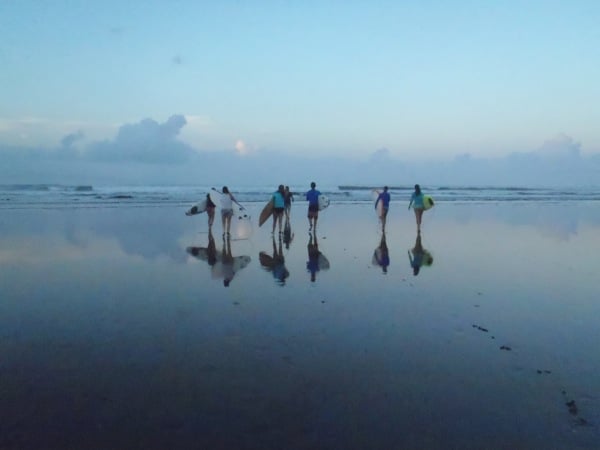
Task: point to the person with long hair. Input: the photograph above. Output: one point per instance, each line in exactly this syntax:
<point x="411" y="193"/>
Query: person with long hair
<point x="278" y="207"/>
<point x="227" y="200"/>
<point x="418" y="205"/>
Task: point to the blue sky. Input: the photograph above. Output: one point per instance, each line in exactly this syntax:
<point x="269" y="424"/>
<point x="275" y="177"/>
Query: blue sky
<point x="428" y="79"/>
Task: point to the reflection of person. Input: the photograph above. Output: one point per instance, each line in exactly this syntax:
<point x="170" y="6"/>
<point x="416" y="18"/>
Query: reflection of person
<point x="288" y="197"/>
<point x="312" y="265"/>
<point x="227" y="262"/>
<point x="313" y="206"/>
<point x="276" y="263"/>
<point x="418" y="256"/>
<point x="280" y="272"/>
<point x="416" y="200"/>
<point x="227" y="200"/>
<point x="287" y="233"/>
<point x="210" y="210"/>
<point x="211" y="250"/>
<point x="278" y="207"/>
<point x="381" y="255"/>
<point x="384" y="198"/>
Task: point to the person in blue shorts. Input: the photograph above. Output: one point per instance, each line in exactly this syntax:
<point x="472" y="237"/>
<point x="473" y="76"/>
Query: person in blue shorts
<point x="384" y="198"/>
<point x="313" y="206"/>
<point x="417" y="202"/>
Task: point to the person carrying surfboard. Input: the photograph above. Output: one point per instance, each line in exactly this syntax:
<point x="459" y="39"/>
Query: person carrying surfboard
<point x="417" y="202"/>
<point x="384" y="198"/>
<point x="227" y="200"/>
<point x="210" y="210"/>
<point x="289" y="198"/>
<point x="278" y="206"/>
<point x="313" y="206"/>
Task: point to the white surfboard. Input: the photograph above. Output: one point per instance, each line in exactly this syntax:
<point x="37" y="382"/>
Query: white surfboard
<point x="323" y="202"/>
<point x="221" y="269"/>
<point x="379" y="209"/>
<point x="197" y="208"/>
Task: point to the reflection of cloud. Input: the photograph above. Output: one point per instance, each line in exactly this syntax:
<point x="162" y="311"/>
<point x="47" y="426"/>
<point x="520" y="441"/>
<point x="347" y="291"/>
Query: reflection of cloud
<point x="145" y="141"/>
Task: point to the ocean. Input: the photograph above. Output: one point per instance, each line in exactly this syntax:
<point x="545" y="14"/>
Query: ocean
<point x="88" y="196"/>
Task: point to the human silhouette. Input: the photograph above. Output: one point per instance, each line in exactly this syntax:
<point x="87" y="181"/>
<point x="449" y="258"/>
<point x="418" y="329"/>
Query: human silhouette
<point x="381" y="256"/>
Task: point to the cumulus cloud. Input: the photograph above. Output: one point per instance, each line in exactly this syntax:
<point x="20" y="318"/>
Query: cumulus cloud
<point x="241" y="147"/>
<point x="145" y="141"/>
<point x="560" y="146"/>
<point x="381" y="155"/>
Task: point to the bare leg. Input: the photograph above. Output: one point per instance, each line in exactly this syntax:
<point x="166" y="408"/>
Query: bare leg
<point x="418" y="216"/>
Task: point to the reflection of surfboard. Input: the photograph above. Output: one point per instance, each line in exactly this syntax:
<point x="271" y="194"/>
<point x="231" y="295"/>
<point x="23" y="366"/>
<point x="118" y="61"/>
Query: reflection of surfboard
<point x="266" y="260"/>
<point x="323" y="262"/>
<point x="199" y="252"/>
<point x="379" y="209"/>
<point x="323" y="202"/>
<point x="197" y="208"/>
<point x="428" y="202"/>
<point x="220" y="268"/>
<point x="427" y="258"/>
<point x="266" y="212"/>
<point x="376" y="257"/>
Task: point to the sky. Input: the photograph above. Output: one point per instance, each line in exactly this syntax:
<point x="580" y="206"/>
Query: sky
<point x="305" y="83"/>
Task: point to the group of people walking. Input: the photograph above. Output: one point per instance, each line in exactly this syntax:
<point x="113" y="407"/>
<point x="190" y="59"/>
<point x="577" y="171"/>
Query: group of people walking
<point x="282" y="204"/>
<point x="417" y="202"/>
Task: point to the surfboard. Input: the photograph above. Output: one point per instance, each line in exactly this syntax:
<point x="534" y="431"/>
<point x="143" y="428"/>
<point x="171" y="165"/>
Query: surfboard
<point x="427" y="202"/>
<point x="266" y="212"/>
<point x="379" y="209"/>
<point x="323" y="202"/>
<point x="197" y="208"/>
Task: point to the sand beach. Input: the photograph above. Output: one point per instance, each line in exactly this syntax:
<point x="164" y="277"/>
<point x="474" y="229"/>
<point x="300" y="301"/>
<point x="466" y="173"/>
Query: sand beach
<point x="114" y="334"/>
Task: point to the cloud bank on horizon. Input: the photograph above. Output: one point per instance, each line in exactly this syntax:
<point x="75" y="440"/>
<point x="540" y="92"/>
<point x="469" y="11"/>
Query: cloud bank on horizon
<point x="148" y="152"/>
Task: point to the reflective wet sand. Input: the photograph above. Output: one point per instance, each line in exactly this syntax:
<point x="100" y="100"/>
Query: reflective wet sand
<point x="113" y="334"/>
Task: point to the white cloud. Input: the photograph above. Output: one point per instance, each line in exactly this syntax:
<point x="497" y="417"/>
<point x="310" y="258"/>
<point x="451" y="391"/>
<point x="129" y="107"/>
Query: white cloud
<point x="242" y="148"/>
<point x="145" y="141"/>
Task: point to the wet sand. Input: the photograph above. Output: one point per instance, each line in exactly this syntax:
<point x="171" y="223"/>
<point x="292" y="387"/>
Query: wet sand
<point x="113" y="334"/>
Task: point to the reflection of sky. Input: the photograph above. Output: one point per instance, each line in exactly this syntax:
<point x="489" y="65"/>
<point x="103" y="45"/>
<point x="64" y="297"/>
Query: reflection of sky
<point x="559" y="220"/>
<point x="113" y="291"/>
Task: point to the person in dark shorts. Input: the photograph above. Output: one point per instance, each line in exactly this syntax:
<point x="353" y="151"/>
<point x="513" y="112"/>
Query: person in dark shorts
<point x="313" y="206"/>
<point x="278" y="207"/>
<point x="210" y="210"/>
<point x="288" y="198"/>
